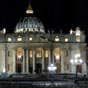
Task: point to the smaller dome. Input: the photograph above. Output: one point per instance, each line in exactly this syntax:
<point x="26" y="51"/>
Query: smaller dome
<point x="29" y="24"/>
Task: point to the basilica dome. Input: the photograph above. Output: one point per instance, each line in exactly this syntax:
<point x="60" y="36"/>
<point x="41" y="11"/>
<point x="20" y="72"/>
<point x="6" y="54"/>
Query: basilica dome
<point x="29" y="24"/>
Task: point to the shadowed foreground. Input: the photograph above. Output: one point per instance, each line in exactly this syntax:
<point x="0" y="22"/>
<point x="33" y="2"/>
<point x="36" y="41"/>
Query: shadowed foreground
<point x="23" y="85"/>
<point x="44" y="81"/>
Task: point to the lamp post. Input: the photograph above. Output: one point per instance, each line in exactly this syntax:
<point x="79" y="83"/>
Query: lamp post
<point x="76" y="61"/>
<point x="52" y="68"/>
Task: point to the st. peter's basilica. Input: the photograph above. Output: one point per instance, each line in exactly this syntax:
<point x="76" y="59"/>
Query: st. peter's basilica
<point x="31" y="50"/>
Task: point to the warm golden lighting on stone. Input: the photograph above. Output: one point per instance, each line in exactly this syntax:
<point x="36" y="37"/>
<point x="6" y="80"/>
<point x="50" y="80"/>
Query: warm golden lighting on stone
<point x="66" y="39"/>
<point x="29" y="11"/>
<point x="30" y="54"/>
<point x="19" y="52"/>
<point x="9" y="39"/>
<point x="56" y="39"/>
<point x="77" y="38"/>
<point x="30" y="39"/>
<point x="19" y="39"/>
<point x="46" y="53"/>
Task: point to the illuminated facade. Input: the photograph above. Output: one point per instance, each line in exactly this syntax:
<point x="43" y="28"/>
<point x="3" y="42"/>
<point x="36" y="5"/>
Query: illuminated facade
<point x="31" y="50"/>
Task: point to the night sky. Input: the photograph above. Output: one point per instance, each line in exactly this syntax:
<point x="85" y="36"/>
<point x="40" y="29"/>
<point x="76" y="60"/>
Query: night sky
<point x="56" y="14"/>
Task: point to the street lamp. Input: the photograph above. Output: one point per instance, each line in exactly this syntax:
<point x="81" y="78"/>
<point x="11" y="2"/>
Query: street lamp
<point x="52" y="68"/>
<point x="76" y="61"/>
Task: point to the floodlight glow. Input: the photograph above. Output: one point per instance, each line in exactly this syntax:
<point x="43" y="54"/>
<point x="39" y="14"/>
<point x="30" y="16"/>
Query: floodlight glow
<point x="80" y="60"/>
<point x="4" y="70"/>
<point x="56" y="39"/>
<point x="19" y="56"/>
<point x="72" y="61"/>
<point x="57" y="57"/>
<point x="76" y="61"/>
<point x="52" y="64"/>
<point x="77" y="55"/>
<point x="52" y="67"/>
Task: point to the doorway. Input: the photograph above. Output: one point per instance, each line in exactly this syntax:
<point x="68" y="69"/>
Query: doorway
<point x="19" y="68"/>
<point x="38" y="68"/>
<point x="57" y="59"/>
<point x="79" y="68"/>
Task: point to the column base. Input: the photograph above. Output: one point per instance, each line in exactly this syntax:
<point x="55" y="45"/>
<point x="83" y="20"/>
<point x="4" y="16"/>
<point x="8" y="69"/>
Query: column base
<point x="43" y="72"/>
<point x="34" y="72"/>
<point x="28" y="73"/>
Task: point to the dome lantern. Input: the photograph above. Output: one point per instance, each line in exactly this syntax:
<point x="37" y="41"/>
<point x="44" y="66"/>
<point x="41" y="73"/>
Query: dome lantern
<point x="29" y="9"/>
<point x="29" y="24"/>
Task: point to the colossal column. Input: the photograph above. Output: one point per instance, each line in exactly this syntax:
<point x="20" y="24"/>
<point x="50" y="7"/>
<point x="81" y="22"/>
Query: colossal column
<point x="27" y="62"/>
<point x="62" y="60"/>
<point x="4" y="59"/>
<point x="84" y="65"/>
<point x="49" y="56"/>
<point x="14" y="60"/>
<point x="24" y="60"/>
<point x="33" y="61"/>
<point x="43" y="61"/>
<point x="73" y="66"/>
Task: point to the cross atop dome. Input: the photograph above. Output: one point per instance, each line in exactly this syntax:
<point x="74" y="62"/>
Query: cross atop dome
<point x="29" y="9"/>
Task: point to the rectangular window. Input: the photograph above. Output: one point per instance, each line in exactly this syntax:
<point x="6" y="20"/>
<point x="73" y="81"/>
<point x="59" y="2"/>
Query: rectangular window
<point x="56" y="39"/>
<point x="30" y="39"/>
<point x="66" y="39"/>
<point x="9" y="39"/>
<point x="77" y="38"/>
<point x="19" y="39"/>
